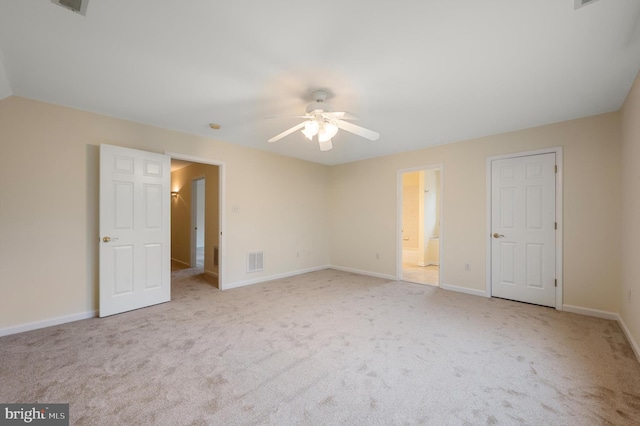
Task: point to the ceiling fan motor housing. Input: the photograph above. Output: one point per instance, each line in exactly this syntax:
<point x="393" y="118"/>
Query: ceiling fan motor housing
<point x="319" y="107"/>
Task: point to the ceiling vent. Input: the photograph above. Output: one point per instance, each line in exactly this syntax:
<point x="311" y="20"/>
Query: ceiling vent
<point x="78" y="6"/>
<point x="580" y="3"/>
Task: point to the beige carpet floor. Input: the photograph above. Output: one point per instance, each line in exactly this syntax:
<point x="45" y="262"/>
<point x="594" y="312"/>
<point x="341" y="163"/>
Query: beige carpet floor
<point x="328" y="348"/>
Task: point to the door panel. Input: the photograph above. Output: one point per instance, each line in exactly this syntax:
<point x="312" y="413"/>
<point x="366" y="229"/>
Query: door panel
<point x="134" y="229"/>
<point x="523" y="215"/>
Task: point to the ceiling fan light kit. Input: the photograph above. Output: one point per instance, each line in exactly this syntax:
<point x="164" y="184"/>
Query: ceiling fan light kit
<point x="324" y="123"/>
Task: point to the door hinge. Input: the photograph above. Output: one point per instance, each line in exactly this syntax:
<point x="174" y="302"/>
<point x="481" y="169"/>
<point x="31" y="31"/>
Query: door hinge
<point x="555" y="225"/>
<point x="556" y="168"/>
<point x="556" y="283"/>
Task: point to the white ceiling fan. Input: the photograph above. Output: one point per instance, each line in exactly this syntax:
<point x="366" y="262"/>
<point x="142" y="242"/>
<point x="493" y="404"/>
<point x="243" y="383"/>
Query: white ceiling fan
<point x="323" y="122"/>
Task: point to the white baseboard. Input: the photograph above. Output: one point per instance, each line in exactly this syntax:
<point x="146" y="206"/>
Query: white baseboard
<point x="632" y="341"/>
<point x="590" y="312"/>
<point x="360" y="272"/>
<point x="188" y="265"/>
<point x="211" y="273"/>
<point x="237" y="284"/>
<point x="464" y="290"/>
<point x="46" y="323"/>
<point x="610" y="316"/>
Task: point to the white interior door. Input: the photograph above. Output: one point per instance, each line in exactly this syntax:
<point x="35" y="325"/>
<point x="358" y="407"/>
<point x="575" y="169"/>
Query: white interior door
<point x="135" y="229"/>
<point x="523" y="222"/>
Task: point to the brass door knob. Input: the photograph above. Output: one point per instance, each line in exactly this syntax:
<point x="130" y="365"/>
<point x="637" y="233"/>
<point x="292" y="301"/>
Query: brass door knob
<point x="106" y="239"/>
<point x="496" y="235"/>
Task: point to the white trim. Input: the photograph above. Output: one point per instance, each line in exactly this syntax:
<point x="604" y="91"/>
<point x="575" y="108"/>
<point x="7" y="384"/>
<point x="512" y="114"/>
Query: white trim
<point x="609" y="316"/>
<point x="212" y="274"/>
<point x="400" y="172"/>
<point x="361" y="272"/>
<point x="272" y="277"/>
<point x="47" y="323"/>
<point x="559" y="216"/>
<point x="181" y="262"/>
<point x="222" y="259"/>
<point x="632" y="341"/>
<point x="590" y="312"/>
<point x="464" y="290"/>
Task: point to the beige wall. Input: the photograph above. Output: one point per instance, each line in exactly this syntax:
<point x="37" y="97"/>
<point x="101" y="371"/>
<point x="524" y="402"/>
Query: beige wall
<point x="49" y="206"/>
<point x="630" y="294"/>
<point x="181" y="181"/>
<point x="367" y="190"/>
<point x="303" y="215"/>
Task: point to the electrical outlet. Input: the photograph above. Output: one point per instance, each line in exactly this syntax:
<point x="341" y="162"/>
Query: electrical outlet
<point x="467" y="267"/>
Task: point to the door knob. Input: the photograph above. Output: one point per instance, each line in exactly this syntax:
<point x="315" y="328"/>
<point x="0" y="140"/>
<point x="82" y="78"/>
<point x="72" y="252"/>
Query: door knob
<point x="107" y="239"/>
<point x="496" y="235"/>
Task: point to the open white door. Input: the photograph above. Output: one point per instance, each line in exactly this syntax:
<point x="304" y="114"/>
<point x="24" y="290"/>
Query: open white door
<point x="523" y="222"/>
<point x="135" y="229"/>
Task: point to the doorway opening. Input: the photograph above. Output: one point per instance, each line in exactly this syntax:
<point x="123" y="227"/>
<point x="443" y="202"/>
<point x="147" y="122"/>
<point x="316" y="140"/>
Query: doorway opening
<point x="420" y="225"/>
<point x="196" y="217"/>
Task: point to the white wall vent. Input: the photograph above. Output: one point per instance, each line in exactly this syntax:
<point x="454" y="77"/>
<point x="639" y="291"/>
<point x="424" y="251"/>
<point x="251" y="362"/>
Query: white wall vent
<point x="255" y="261"/>
<point x="579" y="3"/>
<point x="78" y="6"/>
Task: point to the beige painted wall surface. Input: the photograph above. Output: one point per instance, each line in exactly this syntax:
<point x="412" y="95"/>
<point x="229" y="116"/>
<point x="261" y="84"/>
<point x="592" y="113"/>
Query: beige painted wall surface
<point x="49" y="206"/>
<point x="630" y="305"/>
<point x="181" y="181"/>
<point x="368" y="190"/>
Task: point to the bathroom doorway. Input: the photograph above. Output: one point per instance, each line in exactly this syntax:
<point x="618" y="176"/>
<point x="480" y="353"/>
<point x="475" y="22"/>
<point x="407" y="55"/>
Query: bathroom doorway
<point x="420" y="208"/>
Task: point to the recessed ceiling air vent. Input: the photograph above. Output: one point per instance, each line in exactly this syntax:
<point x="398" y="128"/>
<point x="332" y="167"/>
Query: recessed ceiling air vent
<point x="580" y="3"/>
<point x="78" y="6"/>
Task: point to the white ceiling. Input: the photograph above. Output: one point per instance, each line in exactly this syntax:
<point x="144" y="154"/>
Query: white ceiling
<point x="419" y="72"/>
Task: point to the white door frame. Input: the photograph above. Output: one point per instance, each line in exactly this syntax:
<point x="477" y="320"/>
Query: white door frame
<point x="194" y="217"/>
<point x="439" y="167"/>
<point x="221" y="202"/>
<point x="559" y="217"/>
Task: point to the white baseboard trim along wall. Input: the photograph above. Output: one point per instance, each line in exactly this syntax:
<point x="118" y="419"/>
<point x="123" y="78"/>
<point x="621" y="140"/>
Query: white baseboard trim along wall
<point x="46" y="323"/>
<point x="610" y="316"/>
<point x="271" y="277"/>
<point x="464" y="290"/>
<point x="567" y="308"/>
<point x="359" y="272"/>
<point x="185" y="264"/>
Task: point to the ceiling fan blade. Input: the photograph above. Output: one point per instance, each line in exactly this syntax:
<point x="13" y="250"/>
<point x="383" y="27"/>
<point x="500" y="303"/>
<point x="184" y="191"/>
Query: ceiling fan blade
<point x="342" y="115"/>
<point x="325" y="146"/>
<point x="288" y="116"/>
<point x="360" y="131"/>
<point x="287" y="132"/>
